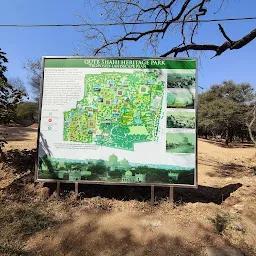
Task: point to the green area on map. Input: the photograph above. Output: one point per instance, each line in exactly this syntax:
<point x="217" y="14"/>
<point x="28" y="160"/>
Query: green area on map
<point x="118" y="110"/>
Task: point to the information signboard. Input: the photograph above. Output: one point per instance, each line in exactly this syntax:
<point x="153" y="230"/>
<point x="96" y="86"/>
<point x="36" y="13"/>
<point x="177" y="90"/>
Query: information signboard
<point x="118" y="121"/>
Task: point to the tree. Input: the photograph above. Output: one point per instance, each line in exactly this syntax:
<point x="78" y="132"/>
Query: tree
<point x="9" y="98"/>
<point x="17" y="83"/>
<point x="3" y="68"/>
<point x="99" y="168"/>
<point x="27" y="111"/>
<point x="33" y="67"/>
<point x="250" y="121"/>
<point x="185" y="141"/>
<point x="162" y="18"/>
<point x="206" y="125"/>
<point x="223" y="107"/>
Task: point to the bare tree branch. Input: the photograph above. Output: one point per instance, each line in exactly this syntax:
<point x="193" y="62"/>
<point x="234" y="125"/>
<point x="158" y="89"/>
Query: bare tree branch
<point x="131" y="35"/>
<point x="210" y="47"/>
<point x="165" y="13"/>
<point x="195" y="47"/>
<point x="202" y="12"/>
<point x="224" y="33"/>
<point x="220" y="6"/>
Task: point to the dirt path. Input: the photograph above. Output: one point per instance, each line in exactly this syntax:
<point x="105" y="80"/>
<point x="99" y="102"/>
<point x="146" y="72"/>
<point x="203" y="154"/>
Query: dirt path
<point x="19" y="137"/>
<point x="218" y="165"/>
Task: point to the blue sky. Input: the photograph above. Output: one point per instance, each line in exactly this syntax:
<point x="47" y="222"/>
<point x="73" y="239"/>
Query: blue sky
<point x="21" y="44"/>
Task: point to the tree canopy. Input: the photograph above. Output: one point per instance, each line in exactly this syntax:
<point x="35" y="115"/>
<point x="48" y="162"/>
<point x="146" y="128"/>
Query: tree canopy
<point x="33" y="67"/>
<point x="27" y="111"/>
<point x="17" y="83"/>
<point x="222" y="109"/>
<point x="9" y="98"/>
<point x="3" y="68"/>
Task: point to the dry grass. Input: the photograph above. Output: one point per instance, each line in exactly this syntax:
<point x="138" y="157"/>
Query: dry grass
<point x="109" y="221"/>
<point x="18" y="223"/>
<point x="221" y="221"/>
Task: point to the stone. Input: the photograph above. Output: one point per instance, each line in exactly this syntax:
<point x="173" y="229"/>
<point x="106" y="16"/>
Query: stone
<point x="237" y="227"/>
<point x="238" y="207"/>
<point x="45" y="193"/>
<point x="224" y="251"/>
<point x="151" y="223"/>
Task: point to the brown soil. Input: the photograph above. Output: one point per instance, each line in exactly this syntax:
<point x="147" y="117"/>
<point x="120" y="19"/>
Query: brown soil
<point x="94" y="225"/>
<point x="19" y="137"/>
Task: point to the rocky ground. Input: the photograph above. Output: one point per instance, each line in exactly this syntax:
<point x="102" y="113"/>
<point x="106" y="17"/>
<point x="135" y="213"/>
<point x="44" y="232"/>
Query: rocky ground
<point x="218" y="218"/>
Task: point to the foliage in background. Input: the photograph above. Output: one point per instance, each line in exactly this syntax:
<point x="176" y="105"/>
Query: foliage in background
<point x="3" y="68"/>
<point x="222" y="110"/>
<point x="9" y="98"/>
<point x="27" y="111"/>
<point x="33" y="67"/>
<point x="17" y="83"/>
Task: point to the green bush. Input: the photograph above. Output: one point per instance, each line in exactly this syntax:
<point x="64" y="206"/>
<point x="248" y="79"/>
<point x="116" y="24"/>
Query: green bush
<point x="27" y="111"/>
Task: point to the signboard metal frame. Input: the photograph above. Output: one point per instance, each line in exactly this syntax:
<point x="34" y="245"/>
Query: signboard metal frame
<point x="195" y="185"/>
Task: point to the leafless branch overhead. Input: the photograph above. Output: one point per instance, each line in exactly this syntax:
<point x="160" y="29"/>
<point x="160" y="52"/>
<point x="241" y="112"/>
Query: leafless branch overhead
<point x="165" y="14"/>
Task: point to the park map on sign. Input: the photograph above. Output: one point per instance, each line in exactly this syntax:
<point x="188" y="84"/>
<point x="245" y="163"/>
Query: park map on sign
<point x="118" y="110"/>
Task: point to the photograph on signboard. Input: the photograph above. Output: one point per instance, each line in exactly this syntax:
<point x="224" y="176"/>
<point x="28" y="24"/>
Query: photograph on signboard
<point x="113" y="170"/>
<point x="180" y="98"/>
<point x="185" y="79"/>
<point x="180" y="143"/>
<point x="180" y="119"/>
<point x="108" y="123"/>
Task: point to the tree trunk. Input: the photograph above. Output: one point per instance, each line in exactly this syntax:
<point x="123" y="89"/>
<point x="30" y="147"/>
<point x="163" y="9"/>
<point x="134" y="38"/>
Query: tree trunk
<point x="231" y="135"/>
<point x="250" y="124"/>
<point x="206" y="135"/>
<point x="227" y="137"/>
<point x="2" y="155"/>
<point x="251" y="136"/>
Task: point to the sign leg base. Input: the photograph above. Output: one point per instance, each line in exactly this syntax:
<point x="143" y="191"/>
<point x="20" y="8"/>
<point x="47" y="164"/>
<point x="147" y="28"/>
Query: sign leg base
<point x="76" y="189"/>
<point x="171" y="197"/>
<point x="152" y="194"/>
<point x="58" y="190"/>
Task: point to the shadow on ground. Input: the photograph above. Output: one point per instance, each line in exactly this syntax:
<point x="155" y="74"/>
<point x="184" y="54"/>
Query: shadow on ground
<point x="16" y="133"/>
<point x="203" y="194"/>
<point x="90" y="237"/>
<point x="234" y="144"/>
<point x="21" y="160"/>
<point x="232" y="170"/>
<point x="206" y="194"/>
<point x="20" y="164"/>
<point x="224" y="170"/>
<point x="18" y="223"/>
<point x="108" y="234"/>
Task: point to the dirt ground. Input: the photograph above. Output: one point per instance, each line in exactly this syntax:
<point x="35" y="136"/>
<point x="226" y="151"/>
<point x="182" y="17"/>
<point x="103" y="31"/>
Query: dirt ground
<point x="115" y="220"/>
